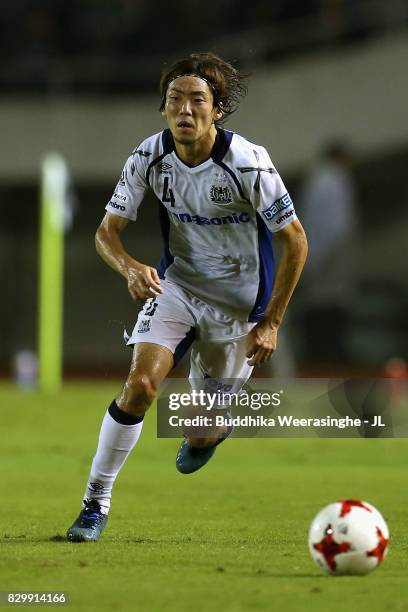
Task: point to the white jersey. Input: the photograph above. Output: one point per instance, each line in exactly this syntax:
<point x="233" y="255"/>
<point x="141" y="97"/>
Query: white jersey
<point x="216" y="218"/>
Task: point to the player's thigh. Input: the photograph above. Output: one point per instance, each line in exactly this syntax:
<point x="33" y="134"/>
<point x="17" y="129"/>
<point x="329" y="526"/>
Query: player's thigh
<point x="217" y="366"/>
<point x="164" y="330"/>
<point x="166" y="320"/>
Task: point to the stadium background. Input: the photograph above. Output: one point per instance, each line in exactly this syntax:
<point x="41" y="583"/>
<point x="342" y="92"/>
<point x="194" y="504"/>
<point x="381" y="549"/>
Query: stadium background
<point x="81" y="78"/>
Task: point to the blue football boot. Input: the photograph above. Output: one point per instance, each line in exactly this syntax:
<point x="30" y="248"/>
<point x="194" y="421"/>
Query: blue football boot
<point x="89" y="525"/>
<point x="190" y="459"/>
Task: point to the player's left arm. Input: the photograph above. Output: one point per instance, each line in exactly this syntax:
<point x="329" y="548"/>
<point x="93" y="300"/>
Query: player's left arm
<point x="262" y="339"/>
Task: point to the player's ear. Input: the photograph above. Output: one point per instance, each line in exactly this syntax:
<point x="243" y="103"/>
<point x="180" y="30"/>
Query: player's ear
<point x="218" y="113"/>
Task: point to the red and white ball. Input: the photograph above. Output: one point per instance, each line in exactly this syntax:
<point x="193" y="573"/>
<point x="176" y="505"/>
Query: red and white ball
<point x="348" y="537"/>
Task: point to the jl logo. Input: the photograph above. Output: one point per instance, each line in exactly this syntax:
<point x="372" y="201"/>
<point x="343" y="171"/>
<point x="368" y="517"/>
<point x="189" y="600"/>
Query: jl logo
<point x="144" y="326"/>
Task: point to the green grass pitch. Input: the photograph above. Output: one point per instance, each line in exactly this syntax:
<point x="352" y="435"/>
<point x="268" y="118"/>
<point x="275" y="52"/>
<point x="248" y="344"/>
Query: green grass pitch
<point x="231" y="537"/>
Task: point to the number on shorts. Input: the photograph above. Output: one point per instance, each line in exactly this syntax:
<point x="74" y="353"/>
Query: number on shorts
<point x="151" y="309"/>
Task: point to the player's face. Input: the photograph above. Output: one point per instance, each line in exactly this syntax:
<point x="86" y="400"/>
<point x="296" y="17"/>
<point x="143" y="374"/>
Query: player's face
<point x="189" y="109"/>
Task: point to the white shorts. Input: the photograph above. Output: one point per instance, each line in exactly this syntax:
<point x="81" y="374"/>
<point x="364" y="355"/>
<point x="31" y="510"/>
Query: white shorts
<point x="177" y="320"/>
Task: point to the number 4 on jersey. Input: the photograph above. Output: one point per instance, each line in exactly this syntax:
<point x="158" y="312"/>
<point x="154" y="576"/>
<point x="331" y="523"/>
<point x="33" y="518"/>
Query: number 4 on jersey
<point x="168" y="195"/>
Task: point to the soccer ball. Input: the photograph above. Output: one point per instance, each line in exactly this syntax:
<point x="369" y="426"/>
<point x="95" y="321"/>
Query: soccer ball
<point x="348" y="537"/>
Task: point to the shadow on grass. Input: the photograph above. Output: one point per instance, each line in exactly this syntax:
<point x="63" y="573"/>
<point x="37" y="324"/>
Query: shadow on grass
<point x="24" y="539"/>
<point x="228" y="570"/>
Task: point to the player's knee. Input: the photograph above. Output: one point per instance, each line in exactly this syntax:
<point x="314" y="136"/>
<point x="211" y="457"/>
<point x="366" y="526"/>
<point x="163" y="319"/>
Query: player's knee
<point x="138" y="394"/>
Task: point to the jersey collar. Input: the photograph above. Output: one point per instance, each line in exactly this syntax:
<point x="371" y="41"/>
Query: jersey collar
<point x="221" y="145"/>
<point x="219" y="150"/>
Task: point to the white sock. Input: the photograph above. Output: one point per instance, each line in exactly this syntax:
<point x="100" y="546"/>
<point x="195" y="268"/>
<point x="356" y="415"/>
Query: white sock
<point x="116" y="440"/>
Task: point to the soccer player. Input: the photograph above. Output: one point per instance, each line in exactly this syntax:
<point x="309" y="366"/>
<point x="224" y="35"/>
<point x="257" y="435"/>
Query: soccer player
<point x="216" y="289"/>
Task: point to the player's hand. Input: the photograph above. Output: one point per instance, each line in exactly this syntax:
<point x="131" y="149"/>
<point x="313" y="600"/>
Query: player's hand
<point x="143" y="282"/>
<point x="261" y="343"/>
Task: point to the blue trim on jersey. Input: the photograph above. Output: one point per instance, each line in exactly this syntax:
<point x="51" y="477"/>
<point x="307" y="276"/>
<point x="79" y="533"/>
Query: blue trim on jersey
<point x="168" y="147"/>
<point x="221" y="145"/>
<point x="167" y="141"/>
<point x="266" y="271"/>
<point x="167" y="258"/>
<point x="234" y="178"/>
<point x="220" y="149"/>
<point x="183" y="346"/>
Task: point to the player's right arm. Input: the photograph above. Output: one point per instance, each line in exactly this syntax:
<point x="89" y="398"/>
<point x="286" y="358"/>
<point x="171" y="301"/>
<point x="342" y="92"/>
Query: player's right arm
<point x="143" y="281"/>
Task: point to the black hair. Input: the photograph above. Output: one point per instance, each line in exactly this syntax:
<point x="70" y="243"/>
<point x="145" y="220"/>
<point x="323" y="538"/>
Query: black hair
<point x="226" y="82"/>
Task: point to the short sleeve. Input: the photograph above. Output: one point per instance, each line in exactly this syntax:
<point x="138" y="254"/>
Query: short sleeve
<point x="270" y="196"/>
<point x="130" y="190"/>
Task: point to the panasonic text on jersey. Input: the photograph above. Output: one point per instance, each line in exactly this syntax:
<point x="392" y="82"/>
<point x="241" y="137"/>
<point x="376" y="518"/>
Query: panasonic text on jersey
<point x="199" y="220"/>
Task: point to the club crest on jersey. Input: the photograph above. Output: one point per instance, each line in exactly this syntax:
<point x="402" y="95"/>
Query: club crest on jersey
<point x="279" y="205"/>
<point x="220" y="195"/>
